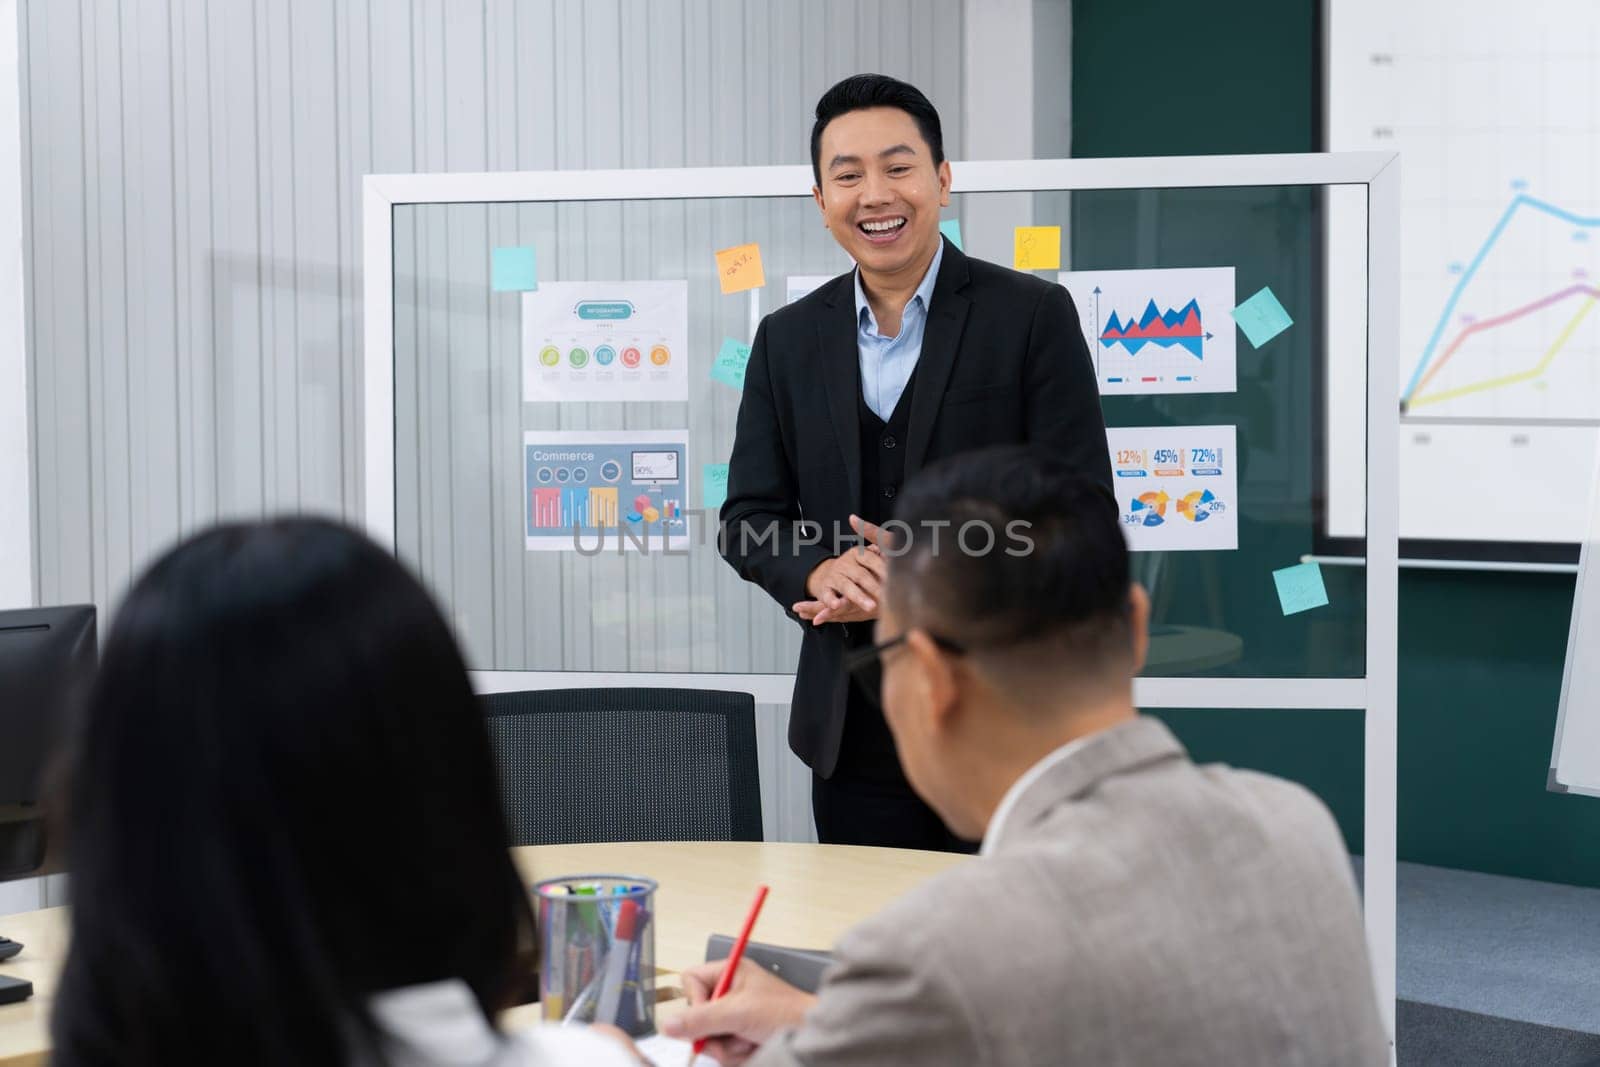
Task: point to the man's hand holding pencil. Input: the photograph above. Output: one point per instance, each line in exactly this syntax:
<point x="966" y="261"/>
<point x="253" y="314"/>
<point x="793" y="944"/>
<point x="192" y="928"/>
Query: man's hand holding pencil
<point x="757" y="1005"/>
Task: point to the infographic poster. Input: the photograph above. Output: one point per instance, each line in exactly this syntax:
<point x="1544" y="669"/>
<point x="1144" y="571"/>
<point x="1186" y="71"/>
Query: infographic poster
<point x="797" y="285"/>
<point x="1177" y="487"/>
<point x="590" y="491"/>
<point x="605" y="341"/>
<point x="1158" y="331"/>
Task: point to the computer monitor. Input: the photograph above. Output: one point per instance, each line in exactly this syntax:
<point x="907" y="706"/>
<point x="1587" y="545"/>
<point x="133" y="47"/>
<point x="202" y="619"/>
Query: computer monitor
<point x="655" y="467"/>
<point x="47" y="659"/>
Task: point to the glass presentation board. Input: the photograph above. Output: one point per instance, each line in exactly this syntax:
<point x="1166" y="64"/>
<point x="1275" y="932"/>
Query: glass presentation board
<point x="548" y="458"/>
<point x="520" y="412"/>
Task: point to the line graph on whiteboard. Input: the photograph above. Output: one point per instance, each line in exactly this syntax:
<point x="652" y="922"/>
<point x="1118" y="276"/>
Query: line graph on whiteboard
<point x="1496" y="118"/>
<point x="1515" y="342"/>
<point x="1158" y="330"/>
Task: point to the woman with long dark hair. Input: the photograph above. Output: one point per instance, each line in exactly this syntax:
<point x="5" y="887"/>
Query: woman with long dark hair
<point x="284" y="828"/>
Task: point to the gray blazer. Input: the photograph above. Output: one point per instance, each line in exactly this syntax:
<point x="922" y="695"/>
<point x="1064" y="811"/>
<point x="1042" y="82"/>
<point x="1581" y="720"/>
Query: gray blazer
<point x="1135" y="909"/>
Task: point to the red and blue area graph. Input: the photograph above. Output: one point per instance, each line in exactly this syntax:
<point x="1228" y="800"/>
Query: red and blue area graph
<point x="1181" y="328"/>
<point x="1146" y="328"/>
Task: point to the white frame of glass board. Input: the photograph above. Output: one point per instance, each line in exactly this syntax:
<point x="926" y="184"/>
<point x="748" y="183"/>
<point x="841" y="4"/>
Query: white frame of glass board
<point x="1375" y="694"/>
<point x="1575" y="752"/>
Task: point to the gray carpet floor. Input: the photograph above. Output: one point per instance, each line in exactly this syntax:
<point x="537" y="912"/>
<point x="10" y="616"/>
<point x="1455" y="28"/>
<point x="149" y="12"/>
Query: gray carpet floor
<point x="1431" y="1036"/>
<point x="1510" y="947"/>
<point x="1496" y="970"/>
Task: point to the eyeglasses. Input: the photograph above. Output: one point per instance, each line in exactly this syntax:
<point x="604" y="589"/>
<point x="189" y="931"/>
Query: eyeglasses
<point x="862" y="663"/>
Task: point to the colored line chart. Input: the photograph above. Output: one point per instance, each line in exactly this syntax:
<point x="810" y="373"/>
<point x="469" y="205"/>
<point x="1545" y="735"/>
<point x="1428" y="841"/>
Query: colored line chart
<point x="1576" y="301"/>
<point x="1495" y="115"/>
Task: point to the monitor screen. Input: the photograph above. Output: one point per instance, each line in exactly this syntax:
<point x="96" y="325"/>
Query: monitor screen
<point x="655" y="466"/>
<point x="47" y="659"/>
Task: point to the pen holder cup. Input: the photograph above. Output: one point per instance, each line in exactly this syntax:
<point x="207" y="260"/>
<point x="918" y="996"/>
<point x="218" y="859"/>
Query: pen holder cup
<point x="597" y="959"/>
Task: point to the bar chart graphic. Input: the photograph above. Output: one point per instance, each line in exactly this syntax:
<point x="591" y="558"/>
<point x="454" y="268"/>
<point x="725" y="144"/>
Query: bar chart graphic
<point x="562" y="509"/>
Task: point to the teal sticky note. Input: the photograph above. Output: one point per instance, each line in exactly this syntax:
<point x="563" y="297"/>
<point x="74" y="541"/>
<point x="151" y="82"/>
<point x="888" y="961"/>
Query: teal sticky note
<point x="951" y="228"/>
<point x="513" y="270"/>
<point x="728" y="368"/>
<point x="1300" y="588"/>
<point x="713" y="485"/>
<point x="1261" y="317"/>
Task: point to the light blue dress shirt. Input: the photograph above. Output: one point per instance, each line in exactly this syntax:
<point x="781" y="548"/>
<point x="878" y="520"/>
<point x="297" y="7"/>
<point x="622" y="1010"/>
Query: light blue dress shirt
<point x="887" y="362"/>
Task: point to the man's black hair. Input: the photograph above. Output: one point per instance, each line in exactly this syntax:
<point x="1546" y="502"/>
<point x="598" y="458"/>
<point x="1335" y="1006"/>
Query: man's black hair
<point x="1057" y="576"/>
<point x="861" y="91"/>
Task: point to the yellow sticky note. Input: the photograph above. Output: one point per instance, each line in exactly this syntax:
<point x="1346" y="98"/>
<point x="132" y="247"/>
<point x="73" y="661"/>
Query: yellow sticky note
<point x="1038" y="248"/>
<point x="739" y="268"/>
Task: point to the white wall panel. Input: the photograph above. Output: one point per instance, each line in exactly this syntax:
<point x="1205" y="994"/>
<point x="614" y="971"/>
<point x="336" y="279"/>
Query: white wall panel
<point x="191" y="179"/>
<point x="191" y="188"/>
<point x="16" y="473"/>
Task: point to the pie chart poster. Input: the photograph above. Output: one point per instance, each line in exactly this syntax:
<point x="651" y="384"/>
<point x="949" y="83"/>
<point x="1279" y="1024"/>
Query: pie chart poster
<point x="1177" y="487"/>
<point x="590" y="490"/>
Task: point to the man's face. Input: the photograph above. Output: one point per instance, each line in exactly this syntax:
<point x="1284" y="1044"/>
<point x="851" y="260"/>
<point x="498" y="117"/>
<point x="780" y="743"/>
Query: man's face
<point x="881" y="191"/>
<point x="915" y="695"/>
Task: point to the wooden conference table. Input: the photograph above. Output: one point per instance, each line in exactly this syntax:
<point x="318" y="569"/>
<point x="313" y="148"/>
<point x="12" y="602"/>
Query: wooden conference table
<point x="818" y="891"/>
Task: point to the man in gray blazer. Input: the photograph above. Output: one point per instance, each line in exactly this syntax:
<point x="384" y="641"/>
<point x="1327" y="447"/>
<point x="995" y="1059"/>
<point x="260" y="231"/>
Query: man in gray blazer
<point x="1128" y="906"/>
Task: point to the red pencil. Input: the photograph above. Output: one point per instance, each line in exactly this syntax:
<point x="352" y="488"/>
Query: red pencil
<point x="726" y="978"/>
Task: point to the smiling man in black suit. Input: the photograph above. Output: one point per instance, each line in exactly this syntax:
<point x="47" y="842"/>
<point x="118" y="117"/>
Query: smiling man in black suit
<point x="918" y="353"/>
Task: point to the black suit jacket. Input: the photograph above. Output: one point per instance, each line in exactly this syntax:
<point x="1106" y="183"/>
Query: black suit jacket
<point x="1003" y="361"/>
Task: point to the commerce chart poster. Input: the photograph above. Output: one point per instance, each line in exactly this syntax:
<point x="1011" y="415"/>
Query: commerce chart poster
<point x="605" y="490"/>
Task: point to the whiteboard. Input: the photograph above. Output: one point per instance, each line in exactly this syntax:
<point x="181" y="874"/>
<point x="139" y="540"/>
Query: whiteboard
<point x="1575" y="756"/>
<point x="1496" y="116"/>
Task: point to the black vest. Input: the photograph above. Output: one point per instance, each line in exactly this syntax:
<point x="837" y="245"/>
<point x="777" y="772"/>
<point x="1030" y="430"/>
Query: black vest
<point x="883" y="455"/>
<point x="867" y="741"/>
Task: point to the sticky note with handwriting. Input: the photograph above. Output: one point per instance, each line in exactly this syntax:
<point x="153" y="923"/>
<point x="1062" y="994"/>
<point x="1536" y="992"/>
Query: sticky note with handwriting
<point x="1037" y="248"/>
<point x="728" y="368"/>
<point x="1261" y="318"/>
<point x="1300" y="588"/>
<point x="739" y="268"/>
<point x="713" y="485"/>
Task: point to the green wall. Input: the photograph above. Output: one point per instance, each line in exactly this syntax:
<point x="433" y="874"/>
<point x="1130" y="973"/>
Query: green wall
<point x="1480" y="654"/>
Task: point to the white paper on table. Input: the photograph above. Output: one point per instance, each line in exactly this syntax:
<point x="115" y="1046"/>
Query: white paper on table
<point x="1177" y="487"/>
<point x="666" y="1051"/>
<point x="606" y="341"/>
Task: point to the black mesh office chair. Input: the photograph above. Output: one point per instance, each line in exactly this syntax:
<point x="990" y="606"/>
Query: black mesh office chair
<point x="583" y="765"/>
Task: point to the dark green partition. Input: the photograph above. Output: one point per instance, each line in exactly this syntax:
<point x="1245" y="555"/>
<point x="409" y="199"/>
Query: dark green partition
<point x="1480" y="654"/>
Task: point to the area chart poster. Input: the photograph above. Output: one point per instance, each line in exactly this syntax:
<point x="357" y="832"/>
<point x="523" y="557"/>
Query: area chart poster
<point x="1158" y="331"/>
<point x="597" y="490"/>
<point x="606" y="341"/>
<point x="1177" y="487"/>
